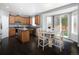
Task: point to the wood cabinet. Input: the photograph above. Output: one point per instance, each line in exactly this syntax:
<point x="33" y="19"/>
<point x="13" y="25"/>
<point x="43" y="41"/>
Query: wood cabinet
<point x="30" y="20"/>
<point x="17" y="18"/>
<point x="11" y="19"/>
<point x="37" y="20"/>
<point x="22" y="20"/>
<point x="12" y="31"/>
<point x="24" y="36"/>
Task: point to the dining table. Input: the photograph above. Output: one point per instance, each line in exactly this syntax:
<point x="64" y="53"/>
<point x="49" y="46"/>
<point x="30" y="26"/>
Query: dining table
<point x="50" y="36"/>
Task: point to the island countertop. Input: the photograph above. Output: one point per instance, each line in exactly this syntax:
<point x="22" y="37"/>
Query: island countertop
<point x="22" y="26"/>
<point x="22" y="29"/>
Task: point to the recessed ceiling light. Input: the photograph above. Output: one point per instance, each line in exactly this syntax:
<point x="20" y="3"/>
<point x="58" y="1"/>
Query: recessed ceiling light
<point x="21" y="8"/>
<point x="7" y="6"/>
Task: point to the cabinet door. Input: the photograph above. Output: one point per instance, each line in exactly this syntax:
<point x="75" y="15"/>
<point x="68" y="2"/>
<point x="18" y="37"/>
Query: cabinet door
<point x="18" y="18"/>
<point x="24" y="36"/>
<point x="12" y="32"/>
<point x="11" y="19"/>
<point x="22" y="20"/>
<point x="28" y="21"/>
<point x="37" y="20"/>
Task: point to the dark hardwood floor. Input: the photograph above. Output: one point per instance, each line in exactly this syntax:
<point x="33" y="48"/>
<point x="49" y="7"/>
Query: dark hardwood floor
<point x="14" y="47"/>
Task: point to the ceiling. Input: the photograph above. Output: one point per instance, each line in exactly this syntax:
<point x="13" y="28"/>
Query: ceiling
<point x="28" y="9"/>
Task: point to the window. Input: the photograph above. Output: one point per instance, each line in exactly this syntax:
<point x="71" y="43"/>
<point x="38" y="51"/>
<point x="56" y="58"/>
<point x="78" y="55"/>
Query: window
<point x="49" y="21"/>
<point x="74" y="23"/>
<point x="61" y="24"/>
<point x="64" y="24"/>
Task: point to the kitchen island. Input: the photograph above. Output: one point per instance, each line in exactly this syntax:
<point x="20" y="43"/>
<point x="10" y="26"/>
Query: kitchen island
<point x="23" y="35"/>
<point x="23" y="32"/>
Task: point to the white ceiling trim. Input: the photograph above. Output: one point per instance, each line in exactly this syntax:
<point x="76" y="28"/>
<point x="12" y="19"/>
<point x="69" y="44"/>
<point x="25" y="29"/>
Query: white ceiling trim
<point x="28" y="9"/>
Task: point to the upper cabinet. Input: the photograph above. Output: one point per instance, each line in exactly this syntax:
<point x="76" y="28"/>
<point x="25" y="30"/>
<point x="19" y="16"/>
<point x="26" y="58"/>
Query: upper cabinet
<point x="11" y="19"/>
<point x="22" y="20"/>
<point x="37" y="20"/>
<point x="30" y="20"/>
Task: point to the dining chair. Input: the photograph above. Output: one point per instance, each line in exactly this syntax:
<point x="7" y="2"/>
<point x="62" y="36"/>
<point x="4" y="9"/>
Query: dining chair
<point x="42" y="39"/>
<point x="58" y="40"/>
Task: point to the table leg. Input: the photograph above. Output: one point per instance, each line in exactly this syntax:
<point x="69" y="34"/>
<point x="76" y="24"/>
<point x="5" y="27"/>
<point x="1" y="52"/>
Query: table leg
<point x="50" y="41"/>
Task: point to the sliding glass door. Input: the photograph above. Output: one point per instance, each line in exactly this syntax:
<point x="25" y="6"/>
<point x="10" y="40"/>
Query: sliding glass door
<point x="64" y="25"/>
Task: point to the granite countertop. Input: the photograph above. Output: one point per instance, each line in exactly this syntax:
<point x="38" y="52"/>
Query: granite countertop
<point x="23" y="29"/>
<point x="22" y="26"/>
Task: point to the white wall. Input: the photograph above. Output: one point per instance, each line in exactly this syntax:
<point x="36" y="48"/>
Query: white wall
<point x="33" y="21"/>
<point x="5" y="23"/>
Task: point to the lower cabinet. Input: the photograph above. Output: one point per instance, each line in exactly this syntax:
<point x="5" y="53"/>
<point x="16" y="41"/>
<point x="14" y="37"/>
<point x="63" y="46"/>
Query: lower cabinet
<point x="12" y="32"/>
<point x="24" y="36"/>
